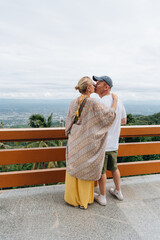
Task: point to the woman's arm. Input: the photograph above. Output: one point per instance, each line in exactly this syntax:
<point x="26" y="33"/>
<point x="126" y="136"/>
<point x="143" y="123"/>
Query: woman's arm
<point x="115" y="100"/>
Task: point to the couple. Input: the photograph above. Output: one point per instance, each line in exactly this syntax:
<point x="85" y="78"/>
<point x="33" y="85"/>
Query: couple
<point x="93" y="130"/>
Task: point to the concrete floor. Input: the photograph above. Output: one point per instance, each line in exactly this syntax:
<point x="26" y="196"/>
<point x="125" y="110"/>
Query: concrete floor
<point x="41" y="213"/>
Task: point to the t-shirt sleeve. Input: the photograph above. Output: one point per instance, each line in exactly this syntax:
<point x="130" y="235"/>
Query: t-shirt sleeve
<point x="124" y="115"/>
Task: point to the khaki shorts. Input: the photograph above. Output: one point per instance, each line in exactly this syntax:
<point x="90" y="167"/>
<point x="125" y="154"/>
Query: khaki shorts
<point x="110" y="161"/>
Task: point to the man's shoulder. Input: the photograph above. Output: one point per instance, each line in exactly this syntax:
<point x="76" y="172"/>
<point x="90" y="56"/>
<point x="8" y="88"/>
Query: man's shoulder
<point x="107" y="100"/>
<point x="109" y="96"/>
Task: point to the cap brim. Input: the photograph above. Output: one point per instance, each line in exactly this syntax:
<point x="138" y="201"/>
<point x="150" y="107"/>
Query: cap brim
<point x="97" y="78"/>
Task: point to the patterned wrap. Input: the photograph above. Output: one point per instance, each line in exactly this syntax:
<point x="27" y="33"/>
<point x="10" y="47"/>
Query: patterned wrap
<point x="87" y="139"/>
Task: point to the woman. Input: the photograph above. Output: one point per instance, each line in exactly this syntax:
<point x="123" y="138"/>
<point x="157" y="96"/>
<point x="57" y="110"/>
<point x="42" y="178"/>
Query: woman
<point x="87" y="124"/>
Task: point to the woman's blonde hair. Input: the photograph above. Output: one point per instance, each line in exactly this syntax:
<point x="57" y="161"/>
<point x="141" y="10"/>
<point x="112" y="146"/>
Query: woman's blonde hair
<point x="83" y="83"/>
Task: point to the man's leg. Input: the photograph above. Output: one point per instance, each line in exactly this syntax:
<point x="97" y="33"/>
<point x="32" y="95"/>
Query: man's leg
<point x="116" y="175"/>
<point x="116" y="179"/>
<point x="117" y="191"/>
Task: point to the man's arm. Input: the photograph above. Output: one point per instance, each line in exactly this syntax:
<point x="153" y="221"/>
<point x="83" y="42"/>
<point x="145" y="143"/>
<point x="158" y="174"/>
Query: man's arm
<point x="123" y="121"/>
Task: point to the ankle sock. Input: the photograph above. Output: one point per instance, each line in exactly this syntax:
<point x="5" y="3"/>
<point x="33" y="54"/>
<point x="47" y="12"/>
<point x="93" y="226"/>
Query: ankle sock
<point x="118" y="191"/>
<point x="102" y="197"/>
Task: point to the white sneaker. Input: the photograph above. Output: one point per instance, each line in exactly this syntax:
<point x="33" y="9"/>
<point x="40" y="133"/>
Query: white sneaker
<point x="96" y="194"/>
<point x="117" y="194"/>
<point x="100" y="199"/>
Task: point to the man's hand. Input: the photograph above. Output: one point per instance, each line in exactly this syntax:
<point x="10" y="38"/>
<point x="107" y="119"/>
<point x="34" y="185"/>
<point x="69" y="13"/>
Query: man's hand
<point x="123" y="121"/>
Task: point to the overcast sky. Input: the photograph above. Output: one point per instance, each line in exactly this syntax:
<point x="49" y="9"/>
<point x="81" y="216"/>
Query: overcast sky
<point x="46" y="46"/>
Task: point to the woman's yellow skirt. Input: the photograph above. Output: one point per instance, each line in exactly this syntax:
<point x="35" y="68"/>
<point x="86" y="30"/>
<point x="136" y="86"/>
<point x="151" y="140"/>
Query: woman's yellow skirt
<point x="78" y="192"/>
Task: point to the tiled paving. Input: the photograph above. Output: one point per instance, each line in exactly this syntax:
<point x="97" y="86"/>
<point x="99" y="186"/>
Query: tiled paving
<point x="41" y="213"/>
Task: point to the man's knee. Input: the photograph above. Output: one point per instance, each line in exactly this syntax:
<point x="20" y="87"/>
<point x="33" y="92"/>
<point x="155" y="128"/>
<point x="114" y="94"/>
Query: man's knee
<point x="116" y="172"/>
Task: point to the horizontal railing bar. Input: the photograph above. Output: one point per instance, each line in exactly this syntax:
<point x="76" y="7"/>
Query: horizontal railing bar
<point x="137" y="168"/>
<point x="49" y="154"/>
<point x="55" y="175"/>
<point x="31" y="134"/>
<point x="32" y="155"/>
<point x="140" y="131"/>
<point x="38" y="134"/>
<point x="32" y="177"/>
<point x="140" y="148"/>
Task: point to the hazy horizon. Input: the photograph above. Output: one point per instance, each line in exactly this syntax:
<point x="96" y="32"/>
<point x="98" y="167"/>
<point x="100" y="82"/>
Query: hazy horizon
<point x="46" y="106"/>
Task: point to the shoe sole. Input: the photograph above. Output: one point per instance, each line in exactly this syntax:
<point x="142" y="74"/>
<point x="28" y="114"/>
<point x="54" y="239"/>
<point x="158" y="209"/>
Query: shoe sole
<point x="102" y="204"/>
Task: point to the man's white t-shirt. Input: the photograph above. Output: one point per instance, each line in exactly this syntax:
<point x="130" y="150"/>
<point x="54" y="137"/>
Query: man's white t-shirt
<point x="114" y="131"/>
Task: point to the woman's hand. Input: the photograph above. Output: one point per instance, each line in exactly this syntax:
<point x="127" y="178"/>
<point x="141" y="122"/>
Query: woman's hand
<point x="115" y="100"/>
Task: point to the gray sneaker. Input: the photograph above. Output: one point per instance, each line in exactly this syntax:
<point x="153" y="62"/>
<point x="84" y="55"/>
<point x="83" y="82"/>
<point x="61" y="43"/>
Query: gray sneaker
<point x="98" y="198"/>
<point x="117" y="194"/>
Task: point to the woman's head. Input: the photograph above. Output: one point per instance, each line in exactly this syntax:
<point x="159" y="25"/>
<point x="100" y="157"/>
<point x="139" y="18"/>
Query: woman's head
<point x="85" y="85"/>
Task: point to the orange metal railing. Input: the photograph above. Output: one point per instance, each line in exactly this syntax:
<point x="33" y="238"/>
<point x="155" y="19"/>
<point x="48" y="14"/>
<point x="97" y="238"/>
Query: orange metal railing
<point x="54" y="175"/>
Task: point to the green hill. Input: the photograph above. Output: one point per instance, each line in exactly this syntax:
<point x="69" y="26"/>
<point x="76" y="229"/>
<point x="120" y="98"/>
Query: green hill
<point x="143" y="120"/>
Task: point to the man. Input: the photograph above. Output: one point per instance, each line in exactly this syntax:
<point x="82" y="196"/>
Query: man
<point x="103" y="89"/>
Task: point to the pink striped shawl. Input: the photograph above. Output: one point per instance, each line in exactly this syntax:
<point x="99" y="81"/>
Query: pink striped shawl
<point x="87" y="139"/>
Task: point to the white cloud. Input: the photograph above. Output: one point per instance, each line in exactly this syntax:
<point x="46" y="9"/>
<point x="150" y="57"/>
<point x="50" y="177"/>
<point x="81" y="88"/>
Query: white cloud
<point x="47" y="46"/>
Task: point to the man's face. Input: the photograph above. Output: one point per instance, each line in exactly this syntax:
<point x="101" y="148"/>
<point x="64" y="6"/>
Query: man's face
<point x="100" y="87"/>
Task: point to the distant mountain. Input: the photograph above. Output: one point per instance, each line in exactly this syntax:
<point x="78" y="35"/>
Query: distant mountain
<point x="17" y="111"/>
<point x="60" y="106"/>
<point x="33" y="105"/>
<point x="142" y="107"/>
<point x="153" y="119"/>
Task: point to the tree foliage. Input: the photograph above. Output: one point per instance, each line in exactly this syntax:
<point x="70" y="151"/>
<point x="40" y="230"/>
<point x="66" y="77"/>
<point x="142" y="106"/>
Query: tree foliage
<point x="130" y="119"/>
<point x="143" y="120"/>
<point x="39" y="121"/>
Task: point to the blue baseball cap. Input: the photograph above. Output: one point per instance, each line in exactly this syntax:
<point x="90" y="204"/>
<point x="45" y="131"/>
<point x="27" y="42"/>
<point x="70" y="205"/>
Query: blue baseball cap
<point x="106" y="79"/>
